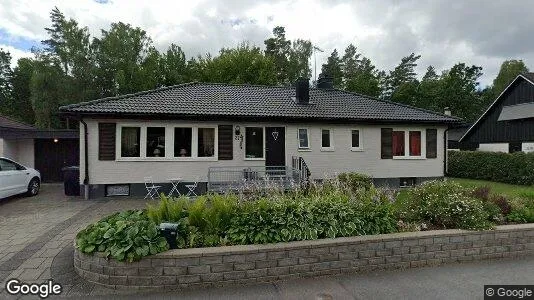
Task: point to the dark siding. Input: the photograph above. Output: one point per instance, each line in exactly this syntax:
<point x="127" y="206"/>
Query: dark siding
<point x="489" y="130"/>
<point x="226" y="142"/>
<point x="106" y="141"/>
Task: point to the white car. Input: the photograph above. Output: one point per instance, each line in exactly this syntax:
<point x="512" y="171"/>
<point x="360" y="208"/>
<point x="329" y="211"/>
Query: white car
<point x="17" y="179"/>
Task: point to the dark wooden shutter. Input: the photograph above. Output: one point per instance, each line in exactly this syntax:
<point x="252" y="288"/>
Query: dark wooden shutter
<point x="226" y="142"/>
<point x="431" y="143"/>
<point x="106" y="141"/>
<point x="386" y="143"/>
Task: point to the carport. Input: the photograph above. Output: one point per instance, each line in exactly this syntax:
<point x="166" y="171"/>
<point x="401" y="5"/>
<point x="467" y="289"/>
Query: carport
<point x="45" y="150"/>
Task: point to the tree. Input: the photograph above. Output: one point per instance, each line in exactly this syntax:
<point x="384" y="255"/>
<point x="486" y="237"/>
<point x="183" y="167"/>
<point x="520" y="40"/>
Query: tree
<point x="365" y="80"/>
<point x="70" y="47"/>
<point x="243" y="64"/>
<point x="508" y="71"/>
<point x="403" y="74"/>
<point x="334" y="68"/>
<point x="429" y="90"/>
<point x="279" y="48"/>
<point x="46" y="87"/>
<point x="173" y="66"/>
<point x="125" y="58"/>
<point x="299" y="56"/>
<point x="459" y="91"/>
<point x="6" y="74"/>
<point x="351" y="63"/>
<point x="21" y="104"/>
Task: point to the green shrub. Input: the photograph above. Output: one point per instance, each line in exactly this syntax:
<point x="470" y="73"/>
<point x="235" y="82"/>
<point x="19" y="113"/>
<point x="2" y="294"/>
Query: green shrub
<point x="355" y="181"/>
<point x="521" y="211"/>
<point x="446" y="204"/>
<point x="512" y="168"/>
<point x="124" y="235"/>
<point x="202" y="222"/>
<point x="325" y="216"/>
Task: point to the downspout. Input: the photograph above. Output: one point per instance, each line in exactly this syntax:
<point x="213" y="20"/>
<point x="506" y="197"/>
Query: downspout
<point x="86" y="160"/>
<point x="446" y="153"/>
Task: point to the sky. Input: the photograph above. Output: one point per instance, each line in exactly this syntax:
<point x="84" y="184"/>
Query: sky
<point x="443" y="32"/>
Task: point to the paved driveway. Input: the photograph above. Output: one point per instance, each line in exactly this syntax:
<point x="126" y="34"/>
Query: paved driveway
<point x="33" y="231"/>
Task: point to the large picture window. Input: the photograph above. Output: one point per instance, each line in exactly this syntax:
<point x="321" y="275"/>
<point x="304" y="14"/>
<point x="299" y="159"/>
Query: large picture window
<point x="206" y="142"/>
<point x="130" y="142"/>
<point x="254" y="142"/>
<point x="182" y="141"/>
<point x="304" y="140"/>
<point x="398" y="143"/>
<point x="155" y="142"/>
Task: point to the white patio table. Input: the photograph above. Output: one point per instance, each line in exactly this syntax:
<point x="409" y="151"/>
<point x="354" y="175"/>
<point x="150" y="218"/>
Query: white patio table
<point x="175" y="182"/>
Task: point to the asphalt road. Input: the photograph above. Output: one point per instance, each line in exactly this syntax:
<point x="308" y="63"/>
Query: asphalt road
<point x="454" y="281"/>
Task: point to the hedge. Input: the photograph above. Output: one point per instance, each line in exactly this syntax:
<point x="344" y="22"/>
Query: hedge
<point x="513" y="168"/>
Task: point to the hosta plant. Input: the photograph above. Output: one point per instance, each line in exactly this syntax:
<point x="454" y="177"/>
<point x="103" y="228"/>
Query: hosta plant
<point x="127" y="235"/>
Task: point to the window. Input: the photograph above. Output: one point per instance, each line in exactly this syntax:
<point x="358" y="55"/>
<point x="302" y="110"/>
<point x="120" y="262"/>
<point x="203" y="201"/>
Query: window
<point x="415" y="143"/>
<point x="130" y="141"/>
<point x="254" y="142"/>
<point x="398" y="143"/>
<point x="326" y="140"/>
<point x="304" y="139"/>
<point x="6" y="165"/>
<point x="407" y="181"/>
<point x="355" y="139"/>
<point x="206" y="142"/>
<point x="183" y="141"/>
<point x="155" y="142"/>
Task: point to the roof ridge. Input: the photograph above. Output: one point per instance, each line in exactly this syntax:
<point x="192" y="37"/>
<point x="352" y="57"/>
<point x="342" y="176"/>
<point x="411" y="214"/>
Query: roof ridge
<point x="74" y="105"/>
<point x="400" y="104"/>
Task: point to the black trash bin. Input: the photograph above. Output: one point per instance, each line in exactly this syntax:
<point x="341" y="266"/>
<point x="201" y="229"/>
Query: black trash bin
<point x="71" y="180"/>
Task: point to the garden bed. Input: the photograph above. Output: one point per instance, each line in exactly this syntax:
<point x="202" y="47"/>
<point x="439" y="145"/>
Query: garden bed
<point x="342" y="225"/>
<point x="217" y="266"/>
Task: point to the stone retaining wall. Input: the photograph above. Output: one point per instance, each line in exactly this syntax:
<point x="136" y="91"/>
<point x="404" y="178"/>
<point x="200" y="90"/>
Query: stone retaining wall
<point x="218" y="266"/>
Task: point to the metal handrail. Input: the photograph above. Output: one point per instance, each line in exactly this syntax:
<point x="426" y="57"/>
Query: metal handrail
<point x="236" y="177"/>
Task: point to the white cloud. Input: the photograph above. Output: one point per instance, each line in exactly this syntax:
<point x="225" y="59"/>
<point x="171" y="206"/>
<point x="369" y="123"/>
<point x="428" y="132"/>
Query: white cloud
<point x="476" y="32"/>
<point x="16" y="54"/>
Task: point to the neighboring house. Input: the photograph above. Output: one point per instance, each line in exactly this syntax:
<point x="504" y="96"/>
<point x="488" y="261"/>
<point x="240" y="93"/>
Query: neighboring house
<point x="184" y="130"/>
<point x="508" y="124"/>
<point x="45" y="150"/>
<point x="454" y="134"/>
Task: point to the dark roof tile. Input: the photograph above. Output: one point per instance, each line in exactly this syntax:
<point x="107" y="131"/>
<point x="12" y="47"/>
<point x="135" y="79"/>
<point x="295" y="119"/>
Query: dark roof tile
<point x="226" y="100"/>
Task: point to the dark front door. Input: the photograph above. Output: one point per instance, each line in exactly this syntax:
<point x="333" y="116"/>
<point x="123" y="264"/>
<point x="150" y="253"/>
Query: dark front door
<point x="51" y="156"/>
<point x="275" y="146"/>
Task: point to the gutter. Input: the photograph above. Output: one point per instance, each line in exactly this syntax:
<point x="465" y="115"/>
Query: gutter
<point x="86" y="160"/>
<point x="446" y="152"/>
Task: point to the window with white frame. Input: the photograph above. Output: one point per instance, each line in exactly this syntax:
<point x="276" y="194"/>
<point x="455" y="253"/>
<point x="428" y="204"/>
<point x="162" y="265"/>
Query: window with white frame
<point x="407" y="143"/>
<point x="254" y="143"/>
<point x="130" y="141"/>
<point x="304" y="138"/>
<point x="206" y="142"/>
<point x="155" y="141"/>
<point x="355" y="140"/>
<point x="327" y="142"/>
<point x="183" y="141"/>
<point x="166" y="142"/>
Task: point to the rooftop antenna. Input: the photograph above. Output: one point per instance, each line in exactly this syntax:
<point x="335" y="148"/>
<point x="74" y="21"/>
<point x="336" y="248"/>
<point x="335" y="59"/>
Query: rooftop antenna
<point x="315" y="49"/>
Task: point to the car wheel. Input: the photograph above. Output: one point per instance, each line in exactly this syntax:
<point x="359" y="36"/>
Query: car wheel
<point x="33" y="187"/>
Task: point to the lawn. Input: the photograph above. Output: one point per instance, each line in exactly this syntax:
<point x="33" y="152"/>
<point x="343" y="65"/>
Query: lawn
<point x="510" y="190"/>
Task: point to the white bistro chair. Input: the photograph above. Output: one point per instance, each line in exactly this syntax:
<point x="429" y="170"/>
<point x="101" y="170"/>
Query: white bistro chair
<point x="152" y="190"/>
<point x="192" y="188"/>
